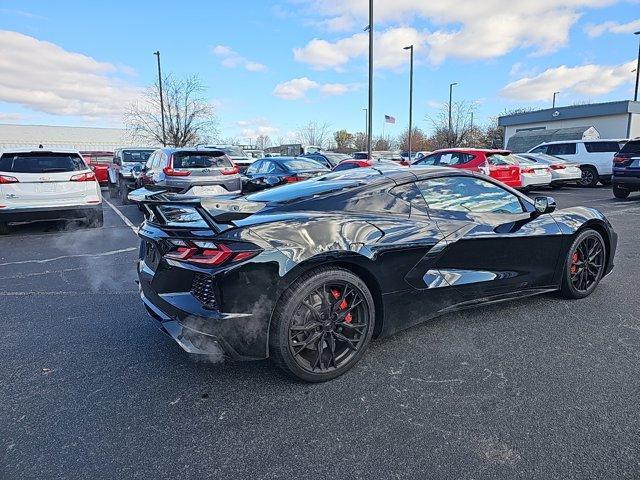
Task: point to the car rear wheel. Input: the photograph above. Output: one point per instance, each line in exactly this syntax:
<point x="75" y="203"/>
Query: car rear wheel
<point x="124" y="194"/>
<point x="589" y="177"/>
<point x="584" y="265"/>
<point x="322" y="325"/>
<point x="113" y="190"/>
<point x="620" y="192"/>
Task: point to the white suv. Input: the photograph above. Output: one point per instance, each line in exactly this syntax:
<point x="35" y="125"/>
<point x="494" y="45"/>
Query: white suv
<point x="43" y="184"/>
<point x="594" y="157"/>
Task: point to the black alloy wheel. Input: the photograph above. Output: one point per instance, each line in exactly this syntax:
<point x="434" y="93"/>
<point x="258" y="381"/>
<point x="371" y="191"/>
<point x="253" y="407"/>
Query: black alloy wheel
<point x="585" y="265"/>
<point x="619" y="192"/>
<point x="589" y="177"/>
<point x="322" y="325"/>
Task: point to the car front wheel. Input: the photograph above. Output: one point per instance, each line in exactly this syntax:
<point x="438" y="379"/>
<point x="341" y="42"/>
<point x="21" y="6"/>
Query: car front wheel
<point x="584" y="265"/>
<point x="322" y="325"/>
<point x="589" y="177"/>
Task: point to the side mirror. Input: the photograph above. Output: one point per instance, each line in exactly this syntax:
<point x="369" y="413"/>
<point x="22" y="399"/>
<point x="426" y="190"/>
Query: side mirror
<point x="544" y="205"/>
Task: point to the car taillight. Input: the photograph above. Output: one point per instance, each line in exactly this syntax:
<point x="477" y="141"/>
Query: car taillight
<point x="528" y="170"/>
<point x="619" y="160"/>
<point x="364" y="163"/>
<point x="84" y="177"/>
<point x="231" y="171"/>
<point x="8" y="179"/>
<point x="292" y="179"/>
<point x="208" y="253"/>
<point x="170" y="172"/>
<point x="557" y="167"/>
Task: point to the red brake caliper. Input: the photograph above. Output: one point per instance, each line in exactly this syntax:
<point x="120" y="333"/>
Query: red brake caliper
<point x="343" y="305"/>
<point x="574" y="259"/>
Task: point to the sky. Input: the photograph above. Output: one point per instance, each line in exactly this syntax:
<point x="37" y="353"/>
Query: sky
<point x="271" y="67"/>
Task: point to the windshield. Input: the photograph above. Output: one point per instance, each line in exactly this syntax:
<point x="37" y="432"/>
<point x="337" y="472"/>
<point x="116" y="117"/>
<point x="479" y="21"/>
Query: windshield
<point x="41" y="162"/>
<point x="632" y="147"/>
<point x="295" y="164"/>
<point x="140" y="156"/>
<point x="200" y="160"/>
<point x="546" y="159"/>
<point x="335" y="158"/>
<point x="510" y="159"/>
<point x="307" y="189"/>
<point x="232" y="151"/>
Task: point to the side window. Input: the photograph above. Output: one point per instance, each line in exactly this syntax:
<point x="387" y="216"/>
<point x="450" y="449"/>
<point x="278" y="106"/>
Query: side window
<point x="561" y="149"/>
<point x="541" y="149"/>
<point x="448" y="159"/>
<point x="468" y="194"/>
<point x="602" y="147"/>
<point x="149" y="164"/>
<point x="274" y="168"/>
<point x="464" y="158"/>
<point x="164" y="160"/>
<point x="264" y="167"/>
<point x="429" y="160"/>
<point x="253" y="168"/>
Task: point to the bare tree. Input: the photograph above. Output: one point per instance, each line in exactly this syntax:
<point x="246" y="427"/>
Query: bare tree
<point x="360" y="141"/>
<point x="262" y="142"/>
<point x="419" y="141"/>
<point x="189" y="117"/>
<point x="453" y="135"/>
<point x="314" y="133"/>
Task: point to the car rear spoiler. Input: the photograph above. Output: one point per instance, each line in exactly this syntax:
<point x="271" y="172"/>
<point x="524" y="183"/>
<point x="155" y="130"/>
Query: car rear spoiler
<point x="214" y="211"/>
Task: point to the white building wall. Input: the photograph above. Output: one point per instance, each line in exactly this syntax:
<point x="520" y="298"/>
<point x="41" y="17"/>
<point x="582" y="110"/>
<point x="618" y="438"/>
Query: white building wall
<point x="81" y="138"/>
<point x="609" y="126"/>
<point x="635" y="126"/>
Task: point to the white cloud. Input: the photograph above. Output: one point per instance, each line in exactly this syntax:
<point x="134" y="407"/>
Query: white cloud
<point x="44" y="77"/>
<point x="591" y="80"/>
<point x="612" y="27"/>
<point x="294" y="89"/>
<point x="255" y="127"/>
<point x="232" y="59"/>
<point x="297" y="88"/>
<point x="388" y="53"/>
<point x="469" y="29"/>
<point x="10" y="117"/>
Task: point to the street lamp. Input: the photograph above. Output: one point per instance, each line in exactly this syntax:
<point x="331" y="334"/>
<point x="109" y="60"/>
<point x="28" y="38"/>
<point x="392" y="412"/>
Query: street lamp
<point x="164" y="138"/>
<point x="370" y="106"/>
<point x="410" y="48"/>
<point x="451" y="100"/>
<point x="366" y="122"/>
<point x="635" y="97"/>
<point x="554" y="99"/>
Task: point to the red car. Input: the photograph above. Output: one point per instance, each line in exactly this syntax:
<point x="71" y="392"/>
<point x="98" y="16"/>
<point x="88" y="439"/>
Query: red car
<point x="350" y="163"/>
<point x="99" y="162"/>
<point x="476" y="160"/>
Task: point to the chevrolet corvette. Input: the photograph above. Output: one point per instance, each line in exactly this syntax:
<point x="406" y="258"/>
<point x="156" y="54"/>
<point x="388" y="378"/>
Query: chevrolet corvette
<point x="308" y="273"/>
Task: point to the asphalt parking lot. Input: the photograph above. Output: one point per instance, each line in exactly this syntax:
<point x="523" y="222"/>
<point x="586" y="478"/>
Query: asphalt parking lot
<point x="538" y="388"/>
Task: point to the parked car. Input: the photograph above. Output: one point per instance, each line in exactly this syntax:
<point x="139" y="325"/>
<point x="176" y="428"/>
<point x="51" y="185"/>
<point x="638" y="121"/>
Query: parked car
<point x="274" y="171"/>
<point x="126" y="165"/>
<point x="562" y="171"/>
<point x="238" y="156"/>
<point x="382" y="155"/>
<point x="47" y="184"/>
<point x="99" y="162"/>
<point x="308" y="273"/>
<point x="190" y="172"/>
<point x="532" y="174"/>
<point x="593" y="157"/>
<point x="626" y="169"/>
<point x="328" y="159"/>
<point x="352" y="163"/>
<point x="498" y="164"/>
<point x="254" y="153"/>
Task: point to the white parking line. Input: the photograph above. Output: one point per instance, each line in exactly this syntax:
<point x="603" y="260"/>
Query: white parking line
<point x="79" y="255"/>
<point x="123" y="217"/>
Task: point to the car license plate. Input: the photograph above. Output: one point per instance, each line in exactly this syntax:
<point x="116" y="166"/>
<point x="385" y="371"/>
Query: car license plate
<point x="204" y="190"/>
<point x="46" y="187"/>
<point x="151" y="256"/>
<point x="540" y="171"/>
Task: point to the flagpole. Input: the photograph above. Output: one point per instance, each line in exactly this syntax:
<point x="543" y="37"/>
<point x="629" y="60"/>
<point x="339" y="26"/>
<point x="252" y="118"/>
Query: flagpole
<point x="370" y="105"/>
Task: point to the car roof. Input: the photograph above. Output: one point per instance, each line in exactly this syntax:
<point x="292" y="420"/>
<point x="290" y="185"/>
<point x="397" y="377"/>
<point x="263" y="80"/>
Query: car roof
<point x="37" y="149"/>
<point x="583" y="141"/>
<point x="463" y="150"/>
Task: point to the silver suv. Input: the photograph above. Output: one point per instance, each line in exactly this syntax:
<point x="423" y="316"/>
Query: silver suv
<point x="191" y="171"/>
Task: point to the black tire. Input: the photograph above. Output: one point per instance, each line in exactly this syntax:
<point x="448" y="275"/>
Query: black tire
<point x="113" y="190"/>
<point x="556" y="186"/>
<point x="590" y="176"/>
<point x="4" y="228"/>
<point x="298" y="321"/>
<point x="124" y="194"/>
<point x="574" y="265"/>
<point x="96" y="220"/>
<point x="620" y="192"/>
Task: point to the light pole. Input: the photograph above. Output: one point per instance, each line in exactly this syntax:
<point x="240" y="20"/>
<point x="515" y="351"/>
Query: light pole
<point x="450" y="122"/>
<point x="635" y="97"/>
<point x="370" y="106"/>
<point x="366" y="122"/>
<point x="554" y="99"/>
<point x="410" y="48"/>
<point x="164" y="138"/>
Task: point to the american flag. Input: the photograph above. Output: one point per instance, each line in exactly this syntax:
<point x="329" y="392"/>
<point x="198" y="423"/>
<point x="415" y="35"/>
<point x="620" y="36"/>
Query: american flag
<point x="389" y="119"/>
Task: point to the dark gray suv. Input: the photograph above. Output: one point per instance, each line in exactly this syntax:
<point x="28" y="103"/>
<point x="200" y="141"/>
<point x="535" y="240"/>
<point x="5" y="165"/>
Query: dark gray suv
<point x="191" y="171"/>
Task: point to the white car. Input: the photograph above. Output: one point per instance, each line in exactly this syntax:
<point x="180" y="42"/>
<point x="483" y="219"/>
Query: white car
<point x="562" y="172"/>
<point x="594" y="157"/>
<point x="47" y="184"/>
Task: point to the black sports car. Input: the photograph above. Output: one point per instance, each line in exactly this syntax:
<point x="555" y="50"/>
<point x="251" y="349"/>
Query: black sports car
<point x="309" y="272"/>
<point x="275" y="171"/>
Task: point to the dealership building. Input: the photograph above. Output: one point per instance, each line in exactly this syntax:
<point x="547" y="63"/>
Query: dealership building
<point x="81" y="138"/>
<point x="612" y="120"/>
